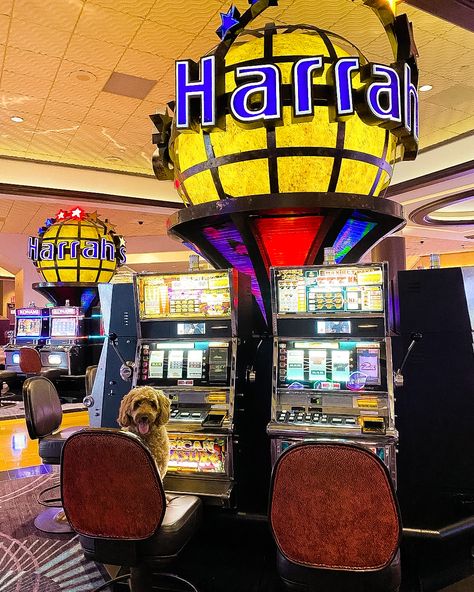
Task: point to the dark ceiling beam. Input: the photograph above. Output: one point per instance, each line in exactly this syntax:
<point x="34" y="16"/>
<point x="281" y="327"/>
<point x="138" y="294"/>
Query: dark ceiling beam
<point x="109" y="200"/>
<point x="458" y="12"/>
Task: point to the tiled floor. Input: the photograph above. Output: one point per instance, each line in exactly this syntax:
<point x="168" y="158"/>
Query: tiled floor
<point x="17" y="451"/>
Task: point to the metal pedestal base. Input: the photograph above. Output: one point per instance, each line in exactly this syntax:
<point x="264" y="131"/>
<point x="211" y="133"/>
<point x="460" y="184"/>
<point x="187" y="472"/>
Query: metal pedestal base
<point x="53" y="520"/>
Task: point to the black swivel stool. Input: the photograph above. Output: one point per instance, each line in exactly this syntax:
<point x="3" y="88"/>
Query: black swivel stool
<point x="335" y="519"/>
<point x="113" y="498"/>
<point x="43" y="414"/>
<point x="6" y="377"/>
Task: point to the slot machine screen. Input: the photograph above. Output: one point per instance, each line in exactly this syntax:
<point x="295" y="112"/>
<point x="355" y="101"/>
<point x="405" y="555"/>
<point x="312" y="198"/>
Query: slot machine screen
<point x="28" y="327"/>
<point x="339" y="289"/>
<point x="186" y="363"/>
<point x="331" y="365"/>
<point x="63" y="327"/>
<point x="199" y="454"/>
<point x="180" y="296"/>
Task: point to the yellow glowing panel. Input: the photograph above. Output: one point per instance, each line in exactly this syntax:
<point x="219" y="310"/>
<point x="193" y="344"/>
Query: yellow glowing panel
<point x="195" y="150"/>
<point x="356" y="177"/>
<point x="299" y="44"/>
<point x="245" y="178"/>
<point x="201" y="187"/>
<point x="237" y="138"/>
<point x="304" y="173"/>
<point x="241" y="52"/>
<point x="317" y="132"/>
<point x="364" y="138"/>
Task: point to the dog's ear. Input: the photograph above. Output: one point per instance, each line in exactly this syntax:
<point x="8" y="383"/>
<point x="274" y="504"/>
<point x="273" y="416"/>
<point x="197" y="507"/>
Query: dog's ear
<point x="124" y="419"/>
<point x="164" y="405"/>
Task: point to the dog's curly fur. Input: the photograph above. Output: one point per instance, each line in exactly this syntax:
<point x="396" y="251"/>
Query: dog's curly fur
<point x="145" y="411"/>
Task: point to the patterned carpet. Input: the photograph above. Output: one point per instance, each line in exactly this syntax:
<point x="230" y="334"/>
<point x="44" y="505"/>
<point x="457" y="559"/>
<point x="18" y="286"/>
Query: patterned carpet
<point x="30" y="560"/>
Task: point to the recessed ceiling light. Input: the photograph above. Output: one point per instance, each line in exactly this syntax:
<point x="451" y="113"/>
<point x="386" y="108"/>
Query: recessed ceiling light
<point x="83" y="75"/>
<point x="17" y="119"/>
<point x="426" y="87"/>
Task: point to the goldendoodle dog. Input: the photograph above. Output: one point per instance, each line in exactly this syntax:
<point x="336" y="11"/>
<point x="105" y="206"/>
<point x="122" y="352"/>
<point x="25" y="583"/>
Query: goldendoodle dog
<point x="144" y="411"/>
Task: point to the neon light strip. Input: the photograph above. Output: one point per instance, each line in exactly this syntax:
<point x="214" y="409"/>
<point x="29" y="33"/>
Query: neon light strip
<point x="351" y="234"/>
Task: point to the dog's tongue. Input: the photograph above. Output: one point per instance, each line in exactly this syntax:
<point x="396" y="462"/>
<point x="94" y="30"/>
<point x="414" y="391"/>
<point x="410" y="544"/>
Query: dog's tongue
<point x="143" y="426"/>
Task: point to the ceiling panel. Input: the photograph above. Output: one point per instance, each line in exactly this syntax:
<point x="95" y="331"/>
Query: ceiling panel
<point x="60" y="54"/>
<point x="25" y="217"/>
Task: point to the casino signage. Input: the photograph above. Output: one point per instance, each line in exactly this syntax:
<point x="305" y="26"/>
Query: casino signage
<point x="76" y="246"/>
<point x="387" y="96"/>
<point x="282" y="140"/>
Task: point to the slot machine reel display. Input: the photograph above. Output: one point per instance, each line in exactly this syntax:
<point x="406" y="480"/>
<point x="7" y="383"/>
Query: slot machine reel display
<point x="31" y="328"/>
<point x="332" y="357"/>
<point x="190" y="346"/>
<point x="74" y="342"/>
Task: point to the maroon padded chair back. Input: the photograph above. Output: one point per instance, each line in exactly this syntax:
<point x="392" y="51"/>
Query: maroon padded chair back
<point x="43" y="412"/>
<point x="110" y="486"/>
<point x="333" y="506"/>
<point x="30" y="360"/>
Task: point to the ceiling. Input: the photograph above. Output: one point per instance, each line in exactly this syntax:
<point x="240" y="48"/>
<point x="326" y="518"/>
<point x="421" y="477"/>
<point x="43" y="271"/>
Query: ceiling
<point x="19" y="216"/>
<point x="56" y="56"/>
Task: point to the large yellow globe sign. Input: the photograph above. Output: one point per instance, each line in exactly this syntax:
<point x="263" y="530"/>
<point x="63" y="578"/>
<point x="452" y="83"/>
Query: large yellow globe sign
<point x="338" y="157"/>
<point x="77" y="247"/>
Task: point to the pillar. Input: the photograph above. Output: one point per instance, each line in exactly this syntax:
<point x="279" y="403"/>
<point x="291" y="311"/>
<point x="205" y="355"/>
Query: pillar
<point x="393" y="250"/>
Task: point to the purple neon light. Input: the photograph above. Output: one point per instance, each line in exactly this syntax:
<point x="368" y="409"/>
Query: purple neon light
<point x="227" y="240"/>
<point x="352" y="232"/>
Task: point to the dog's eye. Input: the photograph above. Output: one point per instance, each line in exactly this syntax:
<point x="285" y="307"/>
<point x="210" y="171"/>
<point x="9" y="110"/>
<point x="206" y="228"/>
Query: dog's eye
<point x="153" y="404"/>
<point x="137" y="404"/>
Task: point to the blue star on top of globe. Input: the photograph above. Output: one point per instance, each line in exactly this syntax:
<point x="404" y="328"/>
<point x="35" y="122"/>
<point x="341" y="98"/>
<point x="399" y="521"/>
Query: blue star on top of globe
<point x="229" y="20"/>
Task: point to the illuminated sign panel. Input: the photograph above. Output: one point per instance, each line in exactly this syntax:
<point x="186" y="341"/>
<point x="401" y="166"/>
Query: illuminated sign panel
<point x="329" y="290"/>
<point x="197" y="295"/>
<point x="387" y="98"/>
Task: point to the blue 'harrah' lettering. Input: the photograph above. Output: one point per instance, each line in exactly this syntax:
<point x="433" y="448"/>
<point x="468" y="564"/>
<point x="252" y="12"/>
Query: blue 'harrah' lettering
<point x="266" y="89"/>
<point x="92" y="249"/>
<point x="203" y="90"/>
<point x="387" y="97"/>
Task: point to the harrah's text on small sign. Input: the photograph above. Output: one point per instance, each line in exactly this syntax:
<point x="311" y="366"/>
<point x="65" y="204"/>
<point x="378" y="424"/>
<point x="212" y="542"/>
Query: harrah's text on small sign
<point x="91" y="249"/>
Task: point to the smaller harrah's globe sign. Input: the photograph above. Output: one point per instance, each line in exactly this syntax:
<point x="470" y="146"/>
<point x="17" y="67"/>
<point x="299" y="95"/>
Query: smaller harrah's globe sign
<point x="77" y="247"/>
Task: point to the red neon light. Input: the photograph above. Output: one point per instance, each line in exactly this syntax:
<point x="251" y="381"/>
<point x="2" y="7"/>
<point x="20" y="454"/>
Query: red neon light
<point x="61" y="215"/>
<point x="288" y="240"/>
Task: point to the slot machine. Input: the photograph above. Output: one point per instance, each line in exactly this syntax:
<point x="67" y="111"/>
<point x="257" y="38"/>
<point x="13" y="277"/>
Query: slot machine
<point x="191" y="345"/>
<point x="332" y="375"/>
<point x="31" y="328"/>
<point x="75" y="340"/>
<point x="435" y="405"/>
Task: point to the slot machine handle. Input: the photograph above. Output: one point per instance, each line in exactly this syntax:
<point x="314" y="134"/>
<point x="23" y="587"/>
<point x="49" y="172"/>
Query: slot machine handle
<point x="250" y="375"/>
<point x="127" y="367"/>
<point x="398" y="376"/>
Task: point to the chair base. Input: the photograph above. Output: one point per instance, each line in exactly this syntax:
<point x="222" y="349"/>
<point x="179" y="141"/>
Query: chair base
<point x="6" y="403"/>
<point x="53" y="521"/>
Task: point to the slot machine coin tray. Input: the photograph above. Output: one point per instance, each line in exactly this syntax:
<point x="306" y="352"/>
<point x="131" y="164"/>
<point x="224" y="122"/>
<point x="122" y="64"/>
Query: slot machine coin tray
<point x="214" y="419"/>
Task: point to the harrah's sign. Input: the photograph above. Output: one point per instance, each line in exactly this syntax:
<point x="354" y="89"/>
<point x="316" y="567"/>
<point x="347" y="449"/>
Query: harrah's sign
<point x="387" y="97"/>
<point x="92" y="249"/>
